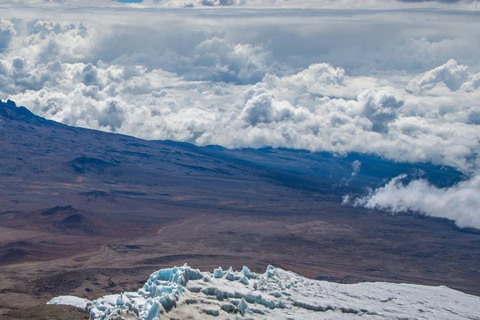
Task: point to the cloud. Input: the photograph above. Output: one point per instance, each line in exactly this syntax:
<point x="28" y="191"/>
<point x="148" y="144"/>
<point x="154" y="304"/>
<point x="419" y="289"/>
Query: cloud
<point x="213" y="3"/>
<point x="7" y="32"/>
<point x="260" y="106"/>
<point x="450" y="74"/>
<point x="297" y="3"/>
<point x="216" y="59"/>
<point x="459" y="203"/>
<point x="356" y="166"/>
<point x="322" y="79"/>
<point x="380" y="107"/>
<point x="310" y="4"/>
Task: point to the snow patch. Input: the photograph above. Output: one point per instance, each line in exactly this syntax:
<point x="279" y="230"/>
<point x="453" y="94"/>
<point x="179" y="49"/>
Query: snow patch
<point x="183" y="292"/>
<point x="70" y="301"/>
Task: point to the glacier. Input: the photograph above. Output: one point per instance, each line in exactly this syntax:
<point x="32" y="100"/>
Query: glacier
<point x="187" y="293"/>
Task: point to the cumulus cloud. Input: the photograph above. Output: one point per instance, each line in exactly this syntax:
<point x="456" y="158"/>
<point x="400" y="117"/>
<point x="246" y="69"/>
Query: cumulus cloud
<point x="216" y="59"/>
<point x="451" y="74"/>
<point x="459" y="203"/>
<point x="7" y="31"/>
<point x="260" y="106"/>
<point x="322" y="79"/>
<point x="380" y="107"/>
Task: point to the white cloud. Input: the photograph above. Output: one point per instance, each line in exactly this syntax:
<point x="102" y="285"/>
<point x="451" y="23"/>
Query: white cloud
<point x="321" y="79"/>
<point x="451" y="74"/>
<point x="260" y="106"/>
<point x="380" y="107"/>
<point x="459" y="203"/>
<point x="7" y="31"/>
<point x="356" y="166"/>
<point x="216" y="59"/>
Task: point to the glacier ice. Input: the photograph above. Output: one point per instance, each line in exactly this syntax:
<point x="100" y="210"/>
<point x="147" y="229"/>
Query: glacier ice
<point x="243" y="307"/>
<point x="218" y="273"/>
<point x="183" y="292"/>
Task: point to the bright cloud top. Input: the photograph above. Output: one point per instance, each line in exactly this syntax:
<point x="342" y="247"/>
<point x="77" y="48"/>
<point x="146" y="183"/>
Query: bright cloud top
<point x="315" y="80"/>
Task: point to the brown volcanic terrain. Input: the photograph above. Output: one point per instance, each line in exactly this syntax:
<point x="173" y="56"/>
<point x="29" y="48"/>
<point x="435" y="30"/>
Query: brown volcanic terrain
<point x="86" y="213"/>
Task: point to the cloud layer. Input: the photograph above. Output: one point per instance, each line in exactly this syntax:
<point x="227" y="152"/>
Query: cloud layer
<point x="405" y="85"/>
<point x="459" y="203"/>
<point x="335" y="4"/>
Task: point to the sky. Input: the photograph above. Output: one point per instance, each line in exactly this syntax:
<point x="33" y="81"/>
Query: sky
<point x="399" y="79"/>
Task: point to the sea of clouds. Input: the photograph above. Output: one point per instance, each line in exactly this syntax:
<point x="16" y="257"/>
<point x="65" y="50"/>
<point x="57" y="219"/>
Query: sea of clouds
<point x="396" y="79"/>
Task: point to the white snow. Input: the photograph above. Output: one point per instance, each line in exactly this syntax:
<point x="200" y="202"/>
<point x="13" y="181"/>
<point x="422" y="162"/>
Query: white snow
<point x="183" y="292"/>
<point x="70" y="301"/>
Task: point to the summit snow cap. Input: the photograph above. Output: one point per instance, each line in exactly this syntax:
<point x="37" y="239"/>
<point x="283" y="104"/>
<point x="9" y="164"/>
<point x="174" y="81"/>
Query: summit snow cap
<point x="183" y="292"/>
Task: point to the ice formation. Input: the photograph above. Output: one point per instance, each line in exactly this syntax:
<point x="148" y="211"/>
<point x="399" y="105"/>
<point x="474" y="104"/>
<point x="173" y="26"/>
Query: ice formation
<point x="186" y="293"/>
